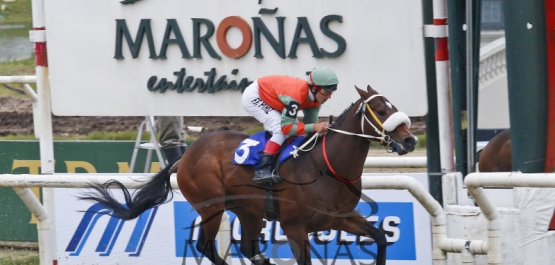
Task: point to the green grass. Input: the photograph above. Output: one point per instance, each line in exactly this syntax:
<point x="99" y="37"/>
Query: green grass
<point x="18" y="67"/>
<point x="17" y="13"/>
<point x="421" y="141"/>
<point x="15" y="68"/>
<point x="132" y="136"/>
<point x="114" y="136"/>
<point x="93" y="136"/>
<point x="20" y="261"/>
<point x="14" y="256"/>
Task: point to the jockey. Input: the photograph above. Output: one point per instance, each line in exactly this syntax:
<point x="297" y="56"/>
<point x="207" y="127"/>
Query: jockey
<point x="276" y="100"/>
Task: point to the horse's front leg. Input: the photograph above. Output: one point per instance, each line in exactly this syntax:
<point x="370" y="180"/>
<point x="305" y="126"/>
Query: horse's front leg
<point x="298" y="241"/>
<point x="359" y="226"/>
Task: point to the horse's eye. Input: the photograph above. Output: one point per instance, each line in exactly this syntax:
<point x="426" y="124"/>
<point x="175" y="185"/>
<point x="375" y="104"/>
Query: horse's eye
<point x="381" y="113"/>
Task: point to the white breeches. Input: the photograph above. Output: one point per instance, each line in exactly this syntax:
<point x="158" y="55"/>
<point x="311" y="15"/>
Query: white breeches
<point x="269" y="117"/>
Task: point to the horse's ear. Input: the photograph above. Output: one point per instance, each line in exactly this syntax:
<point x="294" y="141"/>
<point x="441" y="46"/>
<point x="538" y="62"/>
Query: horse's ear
<point x="371" y="90"/>
<point x="362" y="93"/>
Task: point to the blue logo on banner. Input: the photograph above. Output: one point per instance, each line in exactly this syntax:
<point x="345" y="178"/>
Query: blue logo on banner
<point x="396" y="219"/>
<point x="111" y="232"/>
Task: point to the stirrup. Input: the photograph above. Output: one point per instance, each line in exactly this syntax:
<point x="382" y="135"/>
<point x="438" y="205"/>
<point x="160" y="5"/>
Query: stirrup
<point x="264" y="176"/>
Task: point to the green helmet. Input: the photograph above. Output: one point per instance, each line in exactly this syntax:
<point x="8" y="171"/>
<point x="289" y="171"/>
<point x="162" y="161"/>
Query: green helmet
<point x="323" y="77"/>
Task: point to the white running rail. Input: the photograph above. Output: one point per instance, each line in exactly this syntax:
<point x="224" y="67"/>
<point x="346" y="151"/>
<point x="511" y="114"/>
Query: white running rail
<point x="441" y="244"/>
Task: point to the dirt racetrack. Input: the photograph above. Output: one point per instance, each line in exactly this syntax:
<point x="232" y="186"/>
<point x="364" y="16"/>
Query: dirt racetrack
<point x="16" y="117"/>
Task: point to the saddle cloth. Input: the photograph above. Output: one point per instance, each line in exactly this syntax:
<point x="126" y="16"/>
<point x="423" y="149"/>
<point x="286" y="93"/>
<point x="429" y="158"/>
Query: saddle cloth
<point x="248" y="151"/>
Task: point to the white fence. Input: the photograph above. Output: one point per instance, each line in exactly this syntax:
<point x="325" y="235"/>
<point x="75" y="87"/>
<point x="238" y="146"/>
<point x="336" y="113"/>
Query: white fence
<point x="441" y="242"/>
<point x="24" y="181"/>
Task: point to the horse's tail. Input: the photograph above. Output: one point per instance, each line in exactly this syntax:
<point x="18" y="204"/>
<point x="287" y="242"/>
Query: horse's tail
<point x="151" y="194"/>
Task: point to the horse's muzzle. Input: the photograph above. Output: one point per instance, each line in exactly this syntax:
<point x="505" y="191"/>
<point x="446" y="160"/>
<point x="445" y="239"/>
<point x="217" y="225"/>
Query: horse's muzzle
<point x="407" y="145"/>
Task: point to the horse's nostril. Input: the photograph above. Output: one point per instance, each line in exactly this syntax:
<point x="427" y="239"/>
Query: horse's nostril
<point x="410" y="141"/>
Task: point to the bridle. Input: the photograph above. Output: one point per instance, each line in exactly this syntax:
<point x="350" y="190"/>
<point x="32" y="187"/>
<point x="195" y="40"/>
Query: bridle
<point x="388" y="125"/>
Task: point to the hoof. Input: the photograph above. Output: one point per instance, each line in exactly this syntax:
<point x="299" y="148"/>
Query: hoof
<point x="261" y="259"/>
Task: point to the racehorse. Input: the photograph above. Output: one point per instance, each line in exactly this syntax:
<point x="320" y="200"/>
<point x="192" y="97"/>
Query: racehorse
<point x="496" y="155"/>
<point x="319" y="191"/>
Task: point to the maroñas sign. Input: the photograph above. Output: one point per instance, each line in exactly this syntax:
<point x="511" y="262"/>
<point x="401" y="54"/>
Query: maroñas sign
<point x="183" y="57"/>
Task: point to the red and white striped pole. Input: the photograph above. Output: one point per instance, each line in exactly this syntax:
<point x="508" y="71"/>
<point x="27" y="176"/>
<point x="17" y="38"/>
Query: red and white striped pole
<point x="439" y="31"/>
<point x="45" y="222"/>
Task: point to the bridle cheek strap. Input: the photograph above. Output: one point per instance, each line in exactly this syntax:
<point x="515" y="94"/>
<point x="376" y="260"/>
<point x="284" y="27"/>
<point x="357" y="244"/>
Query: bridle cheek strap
<point x="376" y="119"/>
<point x="328" y="164"/>
<point x="389" y="124"/>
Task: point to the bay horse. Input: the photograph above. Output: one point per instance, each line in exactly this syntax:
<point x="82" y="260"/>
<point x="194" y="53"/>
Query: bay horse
<point x="319" y="191"/>
<point x="496" y="155"/>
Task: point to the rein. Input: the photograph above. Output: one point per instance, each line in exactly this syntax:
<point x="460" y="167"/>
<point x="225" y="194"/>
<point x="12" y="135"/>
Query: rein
<point x="388" y="125"/>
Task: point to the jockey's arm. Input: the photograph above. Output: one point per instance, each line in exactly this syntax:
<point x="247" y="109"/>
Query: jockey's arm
<point x="311" y="115"/>
<point x="289" y="123"/>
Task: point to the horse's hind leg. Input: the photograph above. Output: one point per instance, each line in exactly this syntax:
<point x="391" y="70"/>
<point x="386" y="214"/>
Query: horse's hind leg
<point x="359" y="226"/>
<point x="206" y="241"/>
<point x="250" y="232"/>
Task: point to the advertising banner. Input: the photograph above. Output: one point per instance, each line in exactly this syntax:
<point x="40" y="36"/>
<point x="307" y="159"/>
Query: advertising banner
<point x="168" y="234"/>
<point x="23" y="157"/>
<point x="194" y="58"/>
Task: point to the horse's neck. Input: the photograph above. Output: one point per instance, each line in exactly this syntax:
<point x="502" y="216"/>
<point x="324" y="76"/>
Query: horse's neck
<point x="349" y="145"/>
<point x="347" y="153"/>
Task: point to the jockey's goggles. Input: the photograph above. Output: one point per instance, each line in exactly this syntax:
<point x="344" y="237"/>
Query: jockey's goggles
<point x="328" y="89"/>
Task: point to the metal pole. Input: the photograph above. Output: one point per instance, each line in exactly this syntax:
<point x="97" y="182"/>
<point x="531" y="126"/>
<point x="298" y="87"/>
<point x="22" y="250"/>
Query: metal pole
<point x="46" y="229"/>
<point x="443" y="88"/>
<point x="470" y="142"/>
<point x="432" y="123"/>
<point x="526" y="45"/>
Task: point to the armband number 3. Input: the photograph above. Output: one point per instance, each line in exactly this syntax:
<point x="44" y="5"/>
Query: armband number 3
<point x="292" y="109"/>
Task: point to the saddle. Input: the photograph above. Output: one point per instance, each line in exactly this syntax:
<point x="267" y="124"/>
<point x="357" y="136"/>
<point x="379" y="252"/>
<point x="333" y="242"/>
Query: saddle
<point x="249" y="150"/>
<point x="248" y="153"/>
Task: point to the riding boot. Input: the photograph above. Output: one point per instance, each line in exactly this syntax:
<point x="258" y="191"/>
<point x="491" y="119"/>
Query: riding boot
<point x="172" y="154"/>
<point x="264" y="173"/>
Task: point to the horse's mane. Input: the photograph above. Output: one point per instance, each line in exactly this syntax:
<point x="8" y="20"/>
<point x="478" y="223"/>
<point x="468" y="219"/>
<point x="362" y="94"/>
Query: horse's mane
<point x="342" y="116"/>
